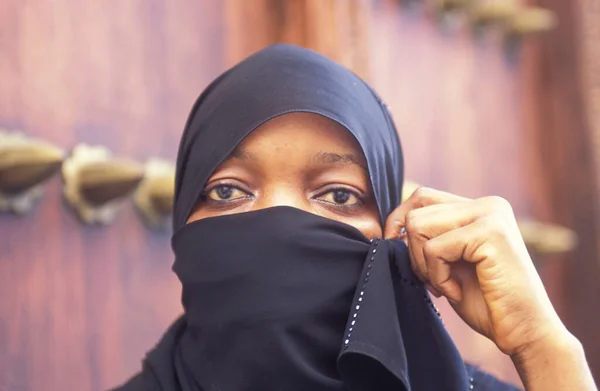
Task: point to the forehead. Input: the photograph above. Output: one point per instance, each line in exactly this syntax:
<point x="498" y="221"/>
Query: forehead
<point x="303" y="132"/>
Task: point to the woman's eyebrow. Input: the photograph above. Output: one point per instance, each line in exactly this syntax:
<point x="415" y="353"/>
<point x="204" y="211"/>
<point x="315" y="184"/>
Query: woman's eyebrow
<point x="241" y="154"/>
<point x="337" y="158"/>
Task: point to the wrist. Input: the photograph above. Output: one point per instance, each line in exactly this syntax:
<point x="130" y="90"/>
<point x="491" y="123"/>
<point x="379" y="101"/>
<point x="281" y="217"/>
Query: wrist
<point x="548" y="353"/>
<point x="560" y="340"/>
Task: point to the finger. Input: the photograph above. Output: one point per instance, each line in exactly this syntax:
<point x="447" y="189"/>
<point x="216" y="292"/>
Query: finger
<point x="444" y="252"/>
<point x="433" y="291"/>
<point x="429" y="222"/>
<point x="420" y="198"/>
<point x="417" y="260"/>
<point x="440" y="253"/>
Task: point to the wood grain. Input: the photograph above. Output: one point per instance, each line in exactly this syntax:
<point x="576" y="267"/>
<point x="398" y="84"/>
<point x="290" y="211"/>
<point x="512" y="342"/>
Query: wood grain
<point x="80" y="306"/>
<point x="565" y="135"/>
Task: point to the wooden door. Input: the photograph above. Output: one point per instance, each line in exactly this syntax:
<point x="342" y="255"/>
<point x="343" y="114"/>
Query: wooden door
<point x="80" y="306"/>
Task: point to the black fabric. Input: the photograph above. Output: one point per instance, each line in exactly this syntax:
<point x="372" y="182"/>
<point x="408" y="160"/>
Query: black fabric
<point x="280" y="299"/>
<point x="270" y="306"/>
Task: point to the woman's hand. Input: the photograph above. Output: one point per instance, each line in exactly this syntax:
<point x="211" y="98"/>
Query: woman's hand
<point x="471" y="251"/>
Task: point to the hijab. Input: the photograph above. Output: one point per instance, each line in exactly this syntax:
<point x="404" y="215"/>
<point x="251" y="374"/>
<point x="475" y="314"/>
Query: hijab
<point x="281" y="299"/>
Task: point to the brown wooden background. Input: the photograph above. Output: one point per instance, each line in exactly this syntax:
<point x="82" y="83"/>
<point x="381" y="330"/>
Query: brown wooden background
<point x="79" y="306"/>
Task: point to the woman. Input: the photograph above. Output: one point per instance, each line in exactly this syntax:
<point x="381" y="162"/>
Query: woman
<point x="289" y="173"/>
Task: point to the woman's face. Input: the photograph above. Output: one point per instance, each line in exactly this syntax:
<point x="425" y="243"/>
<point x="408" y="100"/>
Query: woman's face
<point x="301" y="160"/>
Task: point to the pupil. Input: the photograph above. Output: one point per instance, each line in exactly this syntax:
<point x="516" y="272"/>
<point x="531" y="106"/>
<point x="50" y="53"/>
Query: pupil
<point x="341" y="196"/>
<point x="224" y="192"/>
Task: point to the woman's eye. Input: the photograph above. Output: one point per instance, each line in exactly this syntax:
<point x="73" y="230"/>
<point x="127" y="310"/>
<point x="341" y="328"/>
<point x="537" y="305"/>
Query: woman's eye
<point x="340" y="197"/>
<point x="225" y="193"/>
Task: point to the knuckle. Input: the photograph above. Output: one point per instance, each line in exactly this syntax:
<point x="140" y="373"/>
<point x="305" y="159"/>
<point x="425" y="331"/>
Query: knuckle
<point x="423" y="192"/>
<point x="493" y="229"/>
<point x="412" y="221"/>
<point x="499" y="204"/>
<point x="488" y="251"/>
<point x="429" y="250"/>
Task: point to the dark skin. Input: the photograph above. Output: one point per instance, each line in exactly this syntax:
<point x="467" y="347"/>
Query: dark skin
<point x="468" y="250"/>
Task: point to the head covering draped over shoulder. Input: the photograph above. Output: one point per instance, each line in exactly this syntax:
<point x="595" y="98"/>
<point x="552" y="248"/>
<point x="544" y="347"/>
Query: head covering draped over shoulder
<point x="278" y="80"/>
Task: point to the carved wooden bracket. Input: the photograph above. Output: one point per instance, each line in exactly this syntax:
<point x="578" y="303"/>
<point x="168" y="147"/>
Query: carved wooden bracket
<point x="96" y="183"/>
<point x="25" y="163"/>
<point x="154" y="196"/>
<point x="530" y="20"/>
<point x="510" y="17"/>
<point x="449" y="5"/>
<point x="484" y="13"/>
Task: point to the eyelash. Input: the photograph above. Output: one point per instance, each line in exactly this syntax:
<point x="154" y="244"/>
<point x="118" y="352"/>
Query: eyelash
<point x="342" y="207"/>
<point x="205" y="198"/>
<point x="359" y="196"/>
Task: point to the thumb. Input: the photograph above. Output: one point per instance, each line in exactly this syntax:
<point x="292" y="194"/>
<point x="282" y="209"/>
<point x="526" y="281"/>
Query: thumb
<point x="396" y="221"/>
